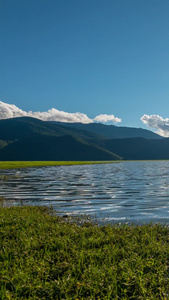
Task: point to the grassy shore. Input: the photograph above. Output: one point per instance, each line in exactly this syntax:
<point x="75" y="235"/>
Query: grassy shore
<point x="26" y="164"/>
<point x="44" y="256"/>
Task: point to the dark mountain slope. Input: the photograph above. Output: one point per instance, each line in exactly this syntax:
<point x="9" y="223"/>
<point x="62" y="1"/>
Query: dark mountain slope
<point x="23" y="138"/>
<point x="3" y="143"/>
<point x="139" y="148"/>
<point x="113" y="132"/>
<point x="16" y="128"/>
<point x="25" y="127"/>
<point x="53" y="148"/>
<point x="32" y="139"/>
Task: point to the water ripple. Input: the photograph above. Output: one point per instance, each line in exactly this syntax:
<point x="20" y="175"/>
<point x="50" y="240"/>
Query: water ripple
<point x="134" y="191"/>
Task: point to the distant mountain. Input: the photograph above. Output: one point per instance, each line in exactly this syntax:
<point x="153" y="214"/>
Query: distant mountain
<point x="25" y="127"/>
<point x="113" y="132"/>
<point x="139" y="148"/>
<point x="54" y="148"/>
<point x="32" y="139"/>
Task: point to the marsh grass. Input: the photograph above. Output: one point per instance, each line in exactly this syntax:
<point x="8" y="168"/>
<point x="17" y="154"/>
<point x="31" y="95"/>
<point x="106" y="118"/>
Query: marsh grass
<point x="2" y="200"/>
<point x="44" y="256"/>
<point x="26" y="164"/>
<point x="4" y="178"/>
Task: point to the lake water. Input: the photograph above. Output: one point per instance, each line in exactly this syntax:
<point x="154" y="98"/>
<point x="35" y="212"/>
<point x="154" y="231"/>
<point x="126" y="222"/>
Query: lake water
<point x="119" y="192"/>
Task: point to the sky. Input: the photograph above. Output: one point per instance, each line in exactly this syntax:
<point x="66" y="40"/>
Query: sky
<point x="86" y="61"/>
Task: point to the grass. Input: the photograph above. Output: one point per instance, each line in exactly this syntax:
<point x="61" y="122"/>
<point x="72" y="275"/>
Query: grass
<point x="43" y="256"/>
<point x="26" y="164"/>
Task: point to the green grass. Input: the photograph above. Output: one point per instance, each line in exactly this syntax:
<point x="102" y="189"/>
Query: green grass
<point x="26" y="164"/>
<point x="42" y="256"/>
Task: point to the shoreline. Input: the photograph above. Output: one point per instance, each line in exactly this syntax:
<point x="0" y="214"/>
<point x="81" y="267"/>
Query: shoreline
<point x="29" y="164"/>
<point x="4" y="165"/>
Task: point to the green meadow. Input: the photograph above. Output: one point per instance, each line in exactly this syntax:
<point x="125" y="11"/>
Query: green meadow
<point x="27" y="164"/>
<point x="44" y="256"/>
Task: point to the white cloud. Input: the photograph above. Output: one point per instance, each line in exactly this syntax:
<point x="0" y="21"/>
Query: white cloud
<point x="107" y="118"/>
<point x="157" y="122"/>
<point x="12" y="111"/>
<point x="61" y="116"/>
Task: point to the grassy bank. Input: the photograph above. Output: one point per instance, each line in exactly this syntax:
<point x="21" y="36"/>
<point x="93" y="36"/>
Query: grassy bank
<point x="26" y="164"/>
<point x="43" y="256"/>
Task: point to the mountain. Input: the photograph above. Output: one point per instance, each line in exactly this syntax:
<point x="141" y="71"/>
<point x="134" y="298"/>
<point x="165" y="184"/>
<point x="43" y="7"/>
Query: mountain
<point x="32" y="139"/>
<point x="25" y="127"/>
<point x="52" y="148"/>
<point x="113" y="132"/>
<point x="139" y="148"/>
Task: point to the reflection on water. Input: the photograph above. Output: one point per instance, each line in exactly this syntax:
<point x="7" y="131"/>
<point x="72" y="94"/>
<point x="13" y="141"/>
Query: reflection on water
<point x="133" y="191"/>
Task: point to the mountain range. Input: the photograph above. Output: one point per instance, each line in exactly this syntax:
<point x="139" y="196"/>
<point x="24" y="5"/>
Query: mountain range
<point x="28" y="138"/>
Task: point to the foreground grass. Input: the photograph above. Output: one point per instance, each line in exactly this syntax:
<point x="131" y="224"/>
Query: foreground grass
<point x="43" y="256"/>
<point x="26" y="164"/>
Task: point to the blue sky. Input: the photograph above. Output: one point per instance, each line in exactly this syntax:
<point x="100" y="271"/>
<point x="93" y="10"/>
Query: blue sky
<point x="94" y="57"/>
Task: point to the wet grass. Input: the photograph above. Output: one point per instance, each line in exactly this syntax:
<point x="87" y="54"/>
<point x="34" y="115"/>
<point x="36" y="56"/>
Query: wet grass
<point x="26" y="164"/>
<point x="4" y="177"/>
<point x="43" y="256"/>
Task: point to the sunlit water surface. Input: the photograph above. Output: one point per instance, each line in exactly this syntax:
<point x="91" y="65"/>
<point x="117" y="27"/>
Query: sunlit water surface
<point x="121" y="192"/>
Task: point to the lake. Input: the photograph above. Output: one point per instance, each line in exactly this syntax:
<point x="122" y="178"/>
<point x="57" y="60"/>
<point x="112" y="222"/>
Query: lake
<point x="118" y="192"/>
